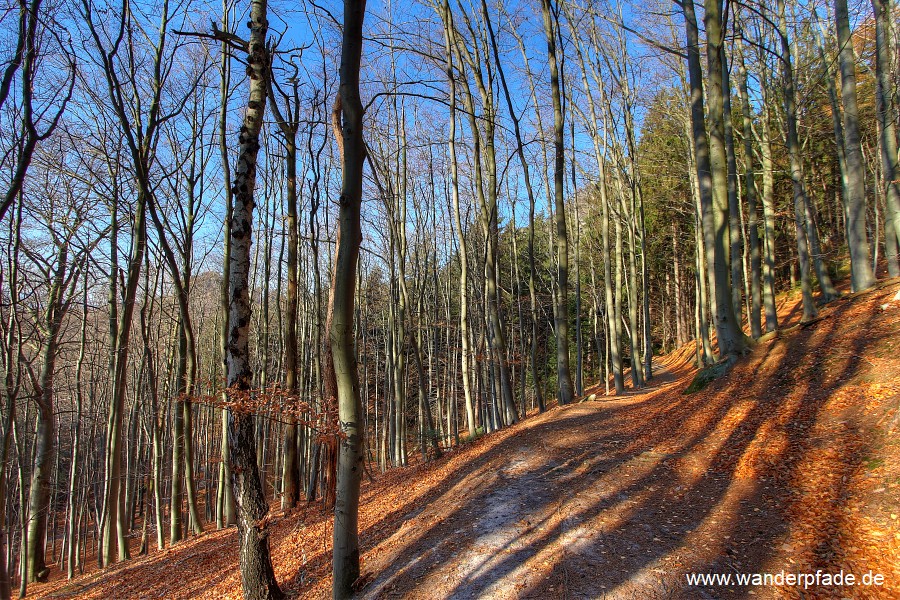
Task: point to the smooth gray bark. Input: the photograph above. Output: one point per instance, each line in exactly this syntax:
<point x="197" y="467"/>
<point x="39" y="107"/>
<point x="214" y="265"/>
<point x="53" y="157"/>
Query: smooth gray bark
<point x="801" y="224"/>
<point x="345" y="567"/>
<point x="566" y="393"/>
<point x="750" y="190"/>
<point x="887" y="116"/>
<point x="861" y="275"/>
<point x="730" y="336"/>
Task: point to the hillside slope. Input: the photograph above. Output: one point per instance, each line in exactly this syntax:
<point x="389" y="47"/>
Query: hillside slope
<point x="790" y="463"/>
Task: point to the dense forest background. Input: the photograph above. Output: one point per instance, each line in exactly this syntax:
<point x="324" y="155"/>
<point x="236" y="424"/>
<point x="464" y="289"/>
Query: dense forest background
<point x="554" y="193"/>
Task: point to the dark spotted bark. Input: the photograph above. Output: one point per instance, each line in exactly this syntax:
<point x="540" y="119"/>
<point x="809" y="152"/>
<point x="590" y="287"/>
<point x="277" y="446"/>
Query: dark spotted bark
<point x="257" y="576"/>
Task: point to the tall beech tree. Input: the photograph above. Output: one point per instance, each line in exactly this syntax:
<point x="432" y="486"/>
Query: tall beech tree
<point x="349" y="109"/>
<point x="730" y="337"/>
<point x="861" y="275"/>
<point x="887" y="111"/>
<point x="561" y="306"/>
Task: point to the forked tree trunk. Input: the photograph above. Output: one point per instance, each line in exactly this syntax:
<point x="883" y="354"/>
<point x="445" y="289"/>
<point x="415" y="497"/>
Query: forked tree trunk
<point x="484" y="148"/>
<point x="114" y="533"/>
<point x="700" y="145"/>
<point x="447" y="18"/>
<point x="520" y="151"/>
<point x="44" y="396"/>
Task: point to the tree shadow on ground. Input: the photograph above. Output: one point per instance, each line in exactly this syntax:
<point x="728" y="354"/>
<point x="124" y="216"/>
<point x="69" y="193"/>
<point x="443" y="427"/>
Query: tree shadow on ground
<point x="620" y="497"/>
<point x="624" y="498"/>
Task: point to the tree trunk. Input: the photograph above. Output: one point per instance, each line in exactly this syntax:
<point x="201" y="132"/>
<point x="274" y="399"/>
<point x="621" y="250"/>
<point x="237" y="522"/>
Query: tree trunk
<point x="460" y="233"/>
<point x="561" y="314"/>
<point x="520" y="151"/>
<point x="730" y="337"/>
<point x="11" y="377"/>
<point x="768" y="205"/>
<point x="176" y="500"/>
<point x="861" y="275"/>
<point x="44" y="396"/>
<point x="290" y="473"/>
<point x="345" y="567"/>
<point x="113" y="526"/>
<point x="750" y="187"/>
<point x="226" y="514"/>
<point x="734" y="206"/>
<point x="613" y="301"/>
<point x="257" y="576"/>
<point x="801" y="225"/>
<point x="887" y="116"/>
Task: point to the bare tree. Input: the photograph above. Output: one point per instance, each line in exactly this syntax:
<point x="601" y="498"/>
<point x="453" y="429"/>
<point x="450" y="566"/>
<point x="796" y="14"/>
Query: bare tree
<point x="887" y="110"/>
<point x="30" y="69"/>
<point x="257" y="576"/>
<point x="561" y="306"/>
<point x="348" y="112"/>
<point x="861" y="275"/>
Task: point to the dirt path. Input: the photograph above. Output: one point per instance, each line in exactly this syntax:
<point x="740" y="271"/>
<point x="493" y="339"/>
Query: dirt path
<point x="621" y="498"/>
<point x="570" y="507"/>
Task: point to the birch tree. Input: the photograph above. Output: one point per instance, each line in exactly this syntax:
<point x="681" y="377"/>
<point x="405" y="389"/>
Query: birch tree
<point x="257" y="576"/>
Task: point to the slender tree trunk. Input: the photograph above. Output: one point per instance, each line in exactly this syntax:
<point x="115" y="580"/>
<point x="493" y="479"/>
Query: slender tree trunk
<point x="257" y="576"/>
<point x="457" y="221"/>
<point x="176" y="532"/>
<point x="345" y="566"/>
<point x="113" y="527"/>
<point x="835" y="121"/>
<point x="887" y="116"/>
<point x="801" y="225"/>
<point x="563" y="371"/>
<point x="700" y="145"/>
<point x="861" y="275"/>
<point x="226" y="514"/>
<point x="734" y="205"/>
<point x="768" y="205"/>
<point x="730" y="337"/>
<point x="290" y="475"/>
<point x="705" y="354"/>
<point x="156" y="433"/>
<point x="76" y="438"/>
<point x="750" y="188"/>
<point x="520" y="151"/>
<point x="613" y="301"/>
<point x="11" y="376"/>
<point x="44" y="396"/>
<point x="486" y="190"/>
<point x="627" y="210"/>
<point x="579" y="342"/>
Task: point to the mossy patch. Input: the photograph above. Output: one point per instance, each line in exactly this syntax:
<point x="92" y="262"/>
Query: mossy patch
<point x="706" y="376"/>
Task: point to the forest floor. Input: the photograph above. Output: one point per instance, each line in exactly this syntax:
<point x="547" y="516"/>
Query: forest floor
<point x="791" y="463"/>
